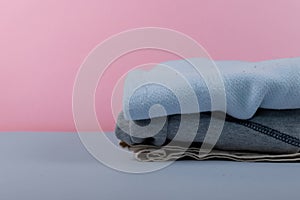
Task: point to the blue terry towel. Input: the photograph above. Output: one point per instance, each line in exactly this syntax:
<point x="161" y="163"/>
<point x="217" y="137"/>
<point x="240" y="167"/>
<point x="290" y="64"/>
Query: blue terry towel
<point x="272" y="84"/>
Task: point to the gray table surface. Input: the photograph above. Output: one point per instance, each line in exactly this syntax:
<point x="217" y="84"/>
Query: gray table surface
<point x="57" y="166"/>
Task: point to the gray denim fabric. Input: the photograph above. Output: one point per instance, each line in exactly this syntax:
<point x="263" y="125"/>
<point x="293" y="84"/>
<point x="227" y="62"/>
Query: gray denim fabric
<point x="269" y="131"/>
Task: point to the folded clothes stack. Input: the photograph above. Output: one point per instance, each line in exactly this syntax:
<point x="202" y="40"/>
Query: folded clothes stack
<point x="261" y="120"/>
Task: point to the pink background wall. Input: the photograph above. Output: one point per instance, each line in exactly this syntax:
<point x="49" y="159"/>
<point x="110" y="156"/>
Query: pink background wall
<point x="43" y="43"/>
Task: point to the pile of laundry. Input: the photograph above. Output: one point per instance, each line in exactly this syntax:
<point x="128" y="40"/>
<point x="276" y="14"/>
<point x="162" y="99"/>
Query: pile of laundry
<point x="236" y="110"/>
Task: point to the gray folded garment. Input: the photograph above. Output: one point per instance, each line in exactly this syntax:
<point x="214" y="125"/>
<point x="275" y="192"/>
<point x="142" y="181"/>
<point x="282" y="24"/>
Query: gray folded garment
<point x="269" y="131"/>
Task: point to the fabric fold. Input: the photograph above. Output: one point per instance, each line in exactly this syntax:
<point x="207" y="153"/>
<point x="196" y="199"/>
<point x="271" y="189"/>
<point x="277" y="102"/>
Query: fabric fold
<point x="171" y="153"/>
<point x="269" y="131"/>
<point x="248" y="86"/>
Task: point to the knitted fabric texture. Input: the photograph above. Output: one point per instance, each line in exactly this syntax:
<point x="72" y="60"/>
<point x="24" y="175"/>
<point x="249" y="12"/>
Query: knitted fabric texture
<point x="272" y="84"/>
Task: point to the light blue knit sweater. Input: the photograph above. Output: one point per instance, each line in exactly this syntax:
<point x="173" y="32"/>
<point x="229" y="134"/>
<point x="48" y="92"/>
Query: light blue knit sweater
<point x="272" y="84"/>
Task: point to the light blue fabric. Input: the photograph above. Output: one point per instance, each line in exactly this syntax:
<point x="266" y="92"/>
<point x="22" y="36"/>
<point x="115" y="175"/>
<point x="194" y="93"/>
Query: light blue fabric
<point x="272" y="84"/>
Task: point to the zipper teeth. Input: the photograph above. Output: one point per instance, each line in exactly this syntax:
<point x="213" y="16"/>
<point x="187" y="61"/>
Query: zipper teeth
<point x="267" y="131"/>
